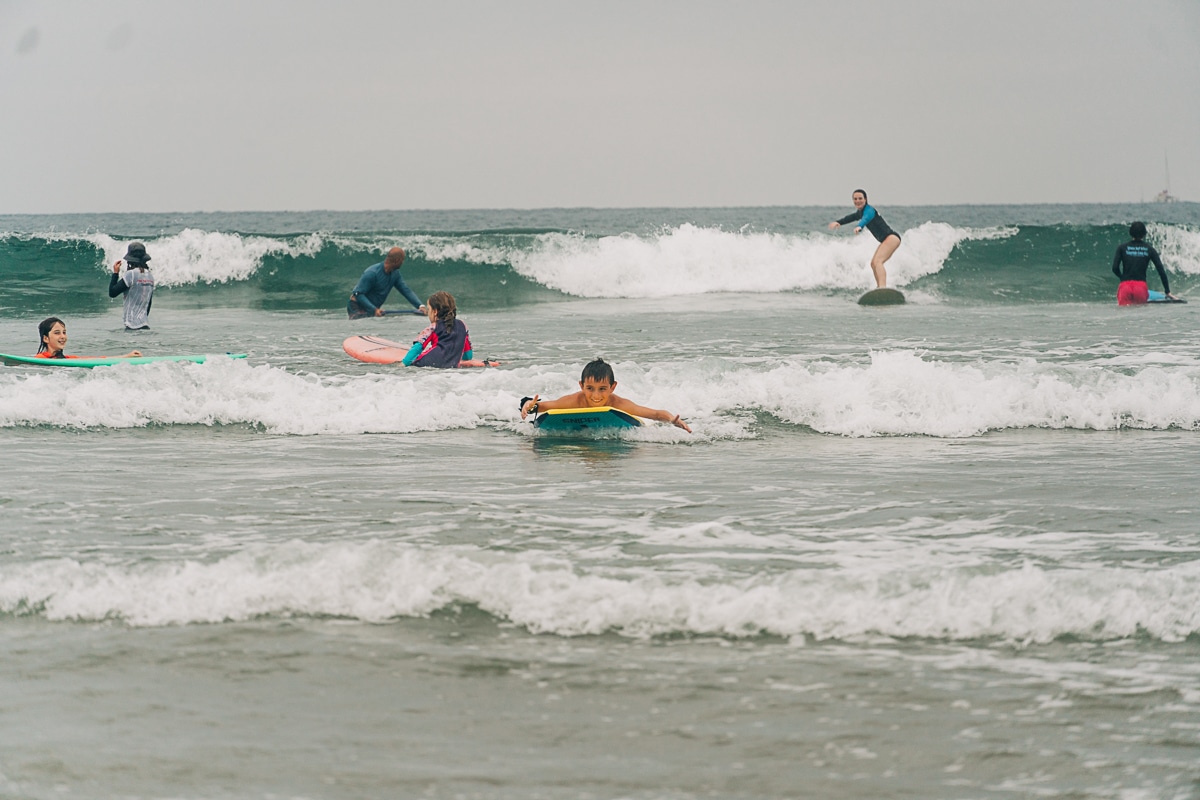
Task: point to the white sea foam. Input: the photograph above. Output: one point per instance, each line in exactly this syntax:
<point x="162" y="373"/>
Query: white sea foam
<point x="896" y="393"/>
<point x="223" y="391"/>
<point x="1178" y="246"/>
<point x="694" y="260"/>
<point x="684" y="260"/>
<point x="193" y="256"/>
<point x="376" y="582"/>
<point x="900" y="393"/>
<point x="473" y="250"/>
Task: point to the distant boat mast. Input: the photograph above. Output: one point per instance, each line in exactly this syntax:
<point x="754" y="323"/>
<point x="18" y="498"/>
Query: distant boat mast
<point x="1165" y="195"/>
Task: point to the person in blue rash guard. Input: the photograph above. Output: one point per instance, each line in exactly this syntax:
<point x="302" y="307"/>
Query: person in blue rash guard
<point x="1130" y="265"/>
<point x="376" y="284"/>
<point x="867" y="217"/>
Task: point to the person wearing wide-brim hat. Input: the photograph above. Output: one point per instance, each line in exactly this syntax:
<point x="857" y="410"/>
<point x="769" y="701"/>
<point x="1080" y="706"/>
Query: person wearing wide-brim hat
<point x="137" y="284"/>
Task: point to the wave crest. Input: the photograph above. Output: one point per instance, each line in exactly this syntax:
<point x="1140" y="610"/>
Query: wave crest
<point x="691" y="260"/>
<point x="377" y="582"/>
<point x="898" y="393"/>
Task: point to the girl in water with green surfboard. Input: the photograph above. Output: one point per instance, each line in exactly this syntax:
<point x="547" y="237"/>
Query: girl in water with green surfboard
<point x="52" y="333"/>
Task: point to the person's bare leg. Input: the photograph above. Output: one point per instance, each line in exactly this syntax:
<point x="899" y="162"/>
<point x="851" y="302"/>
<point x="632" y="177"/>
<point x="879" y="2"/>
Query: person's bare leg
<point x="882" y="254"/>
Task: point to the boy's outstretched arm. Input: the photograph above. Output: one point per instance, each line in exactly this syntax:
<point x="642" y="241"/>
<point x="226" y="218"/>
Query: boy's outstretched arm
<point x="536" y="405"/>
<point x="529" y="406"/>
<point x="649" y="413"/>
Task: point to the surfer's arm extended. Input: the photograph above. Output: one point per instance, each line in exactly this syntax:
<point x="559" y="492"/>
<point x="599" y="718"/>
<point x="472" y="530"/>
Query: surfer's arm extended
<point x="853" y="217"/>
<point x="645" y="412"/>
<point x="536" y="405"/>
<point x="1162" y="272"/>
<point x="408" y="293"/>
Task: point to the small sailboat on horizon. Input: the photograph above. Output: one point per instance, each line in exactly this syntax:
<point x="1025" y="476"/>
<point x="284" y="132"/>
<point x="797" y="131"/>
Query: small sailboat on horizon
<point x="1165" y="195"/>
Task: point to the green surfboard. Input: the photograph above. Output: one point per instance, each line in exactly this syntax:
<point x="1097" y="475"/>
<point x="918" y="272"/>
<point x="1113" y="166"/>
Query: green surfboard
<point x="106" y="361"/>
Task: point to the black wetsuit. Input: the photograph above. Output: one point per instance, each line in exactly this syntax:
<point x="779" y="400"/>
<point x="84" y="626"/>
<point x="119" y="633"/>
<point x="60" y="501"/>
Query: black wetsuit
<point x="1132" y="260"/>
<point x="871" y="221"/>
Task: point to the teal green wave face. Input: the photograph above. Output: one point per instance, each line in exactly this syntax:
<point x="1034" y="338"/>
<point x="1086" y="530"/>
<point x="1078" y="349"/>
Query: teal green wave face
<point x="70" y="277"/>
<point x="1058" y="263"/>
<point x="989" y="256"/>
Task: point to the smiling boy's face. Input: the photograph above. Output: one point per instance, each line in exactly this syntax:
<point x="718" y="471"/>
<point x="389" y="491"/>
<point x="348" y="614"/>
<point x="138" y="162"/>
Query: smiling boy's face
<point x="596" y="392"/>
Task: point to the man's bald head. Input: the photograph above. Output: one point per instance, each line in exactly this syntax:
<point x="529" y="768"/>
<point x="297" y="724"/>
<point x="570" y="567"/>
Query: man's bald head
<point x="395" y="257"/>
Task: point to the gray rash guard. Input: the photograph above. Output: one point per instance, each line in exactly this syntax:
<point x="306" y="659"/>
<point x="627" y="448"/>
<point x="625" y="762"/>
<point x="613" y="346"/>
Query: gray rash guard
<point x="137" y="284"/>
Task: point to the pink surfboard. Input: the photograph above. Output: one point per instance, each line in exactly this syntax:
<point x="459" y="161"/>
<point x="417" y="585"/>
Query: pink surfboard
<point x="374" y="350"/>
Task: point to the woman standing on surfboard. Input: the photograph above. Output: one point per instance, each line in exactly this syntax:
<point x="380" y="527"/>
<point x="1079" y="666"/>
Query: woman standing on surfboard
<point x="869" y="218"/>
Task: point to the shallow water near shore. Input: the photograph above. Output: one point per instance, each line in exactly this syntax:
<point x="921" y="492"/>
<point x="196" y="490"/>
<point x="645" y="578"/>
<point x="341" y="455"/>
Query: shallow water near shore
<point x="947" y="549"/>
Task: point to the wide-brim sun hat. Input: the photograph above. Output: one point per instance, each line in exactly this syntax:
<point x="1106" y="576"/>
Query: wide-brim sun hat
<point x="136" y="253"/>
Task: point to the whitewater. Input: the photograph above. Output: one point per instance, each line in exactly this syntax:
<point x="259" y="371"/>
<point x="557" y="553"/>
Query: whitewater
<point x="946" y="549"/>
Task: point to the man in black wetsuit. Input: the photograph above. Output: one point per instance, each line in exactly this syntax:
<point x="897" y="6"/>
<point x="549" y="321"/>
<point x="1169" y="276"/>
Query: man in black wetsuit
<point x="1130" y="264"/>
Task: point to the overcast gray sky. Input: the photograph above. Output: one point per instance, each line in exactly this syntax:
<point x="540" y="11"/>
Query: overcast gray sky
<point x="205" y="105"/>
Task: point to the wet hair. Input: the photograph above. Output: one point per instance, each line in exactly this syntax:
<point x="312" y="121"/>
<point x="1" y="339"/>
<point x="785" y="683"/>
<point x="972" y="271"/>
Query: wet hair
<point x="1138" y="230"/>
<point x="447" y="310"/>
<point x="44" y="330"/>
<point x="598" y="370"/>
<point x="863" y="192"/>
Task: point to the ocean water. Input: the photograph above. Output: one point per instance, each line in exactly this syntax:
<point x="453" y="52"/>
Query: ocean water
<point x="944" y="550"/>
